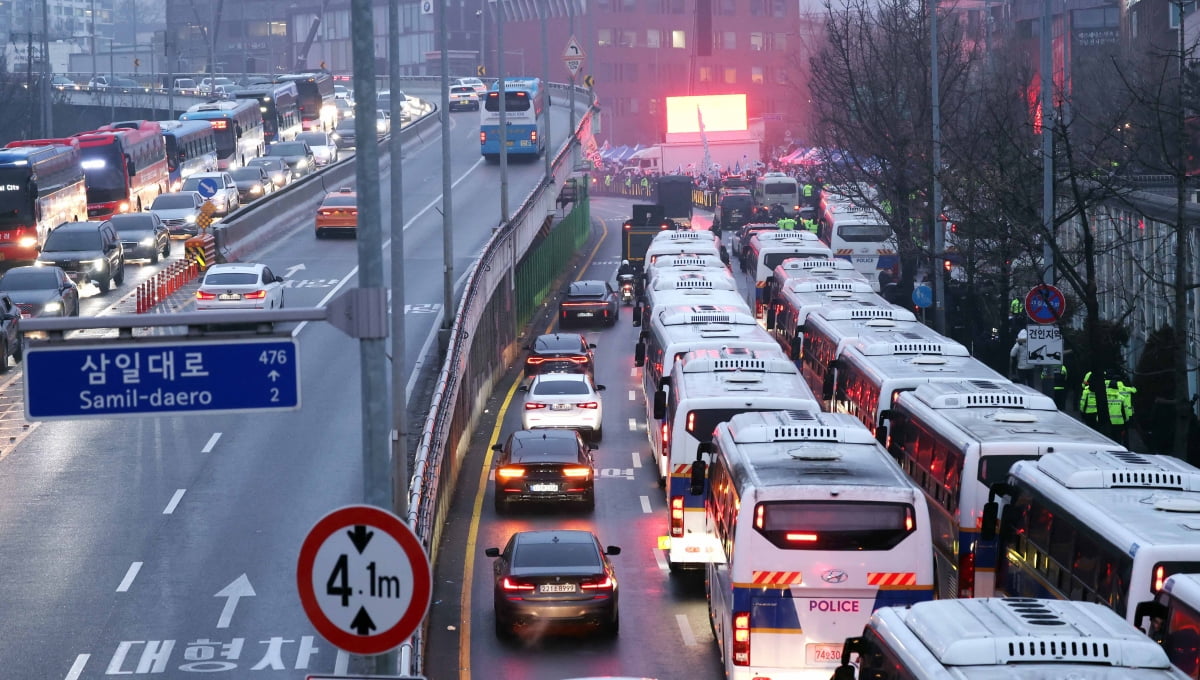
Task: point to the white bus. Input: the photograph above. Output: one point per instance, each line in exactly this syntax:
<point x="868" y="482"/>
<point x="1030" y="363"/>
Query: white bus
<point x="769" y="249"/>
<point x="1175" y="621"/>
<point x="858" y="234"/>
<point x="1002" y="639"/>
<point x="674" y="331"/>
<point x="710" y="287"/>
<point x="1100" y="526"/>
<point x="956" y="439"/>
<point x="776" y="188"/>
<point x="799" y="300"/>
<point x="704" y="388"/>
<point x="810" y="268"/>
<point x="818" y="527"/>
<point x="827" y="331"/>
<point x="871" y="371"/>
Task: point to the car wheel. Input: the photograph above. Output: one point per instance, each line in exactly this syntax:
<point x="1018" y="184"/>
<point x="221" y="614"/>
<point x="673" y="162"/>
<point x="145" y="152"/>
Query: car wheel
<point x="167" y="249"/>
<point x="613" y="628"/>
<point x="502" y="505"/>
<point x="503" y="630"/>
<point x="19" y="354"/>
<point x="4" y="365"/>
<point x="119" y="278"/>
<point x="103" y="285"/>
<point x="320" y="234"/>
<point x="75" y="309"/>
<point x="588" y="504"/>
<point x="598" y="434"/>
<point x="154" y="257"/>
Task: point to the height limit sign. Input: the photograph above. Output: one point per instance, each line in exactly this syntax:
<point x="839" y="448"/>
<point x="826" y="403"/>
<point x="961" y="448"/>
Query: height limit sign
<point x="364" y="579"/>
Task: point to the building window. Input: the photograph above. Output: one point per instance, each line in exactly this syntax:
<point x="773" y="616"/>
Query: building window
<point x="604" y="37"/>
<point x="727" y="8"/>
<point x="652" y="106"/>
<point x="676" y="6"/>
<point x="628" y="5"/>
<point x="653" y="37"/>
<point x="756" y="42"/>
<point x="778" y="8"/>
<point x="728" y="40"/>
<point x="706" y="74"/>
<point x="758" y="8"/>
<point x="679" y="39"/>
<point x="633" y="105"/>
<point x="654" y="7"/>
<point x="1188" y="8"/>
<point x="779" y="41"/>
<point x="780" y="76"/>
<point x="628" y="39"/>
<point x="730" y="75"/>
<point x="756" y="75"/>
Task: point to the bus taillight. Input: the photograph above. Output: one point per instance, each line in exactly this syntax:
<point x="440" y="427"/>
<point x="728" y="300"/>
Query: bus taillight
<point x="1160" y="579"/>
<point x="482" y="137"/>
<point x="741" y="639"/>
<point x="533" y="136"/>
<point x="666" y="438"/>
<point x="966" y="574"/>
<point x="676" y="516"/>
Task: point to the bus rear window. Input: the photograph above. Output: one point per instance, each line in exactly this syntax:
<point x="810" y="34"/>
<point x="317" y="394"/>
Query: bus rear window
<point x="513" y="101"/>
<point x="864" y="233"/>
<point x="700" y="423"/>
<point x="994" y="469"/>
<point x="834" y="525"/>
<point x="779" y="189"/>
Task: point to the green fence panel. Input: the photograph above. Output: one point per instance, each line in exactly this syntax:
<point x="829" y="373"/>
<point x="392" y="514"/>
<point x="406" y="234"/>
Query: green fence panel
<point x="546" y="260"/>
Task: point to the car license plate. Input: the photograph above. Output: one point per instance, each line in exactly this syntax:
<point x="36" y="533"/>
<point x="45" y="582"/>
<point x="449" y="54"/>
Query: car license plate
<point x="824" y="653"/>
<point x="543" y="487"/>
<point x="557" y="588"/>
<point x="560" y="407"/>
<point x="229" y="296"/>
<point x="585" y="314"/>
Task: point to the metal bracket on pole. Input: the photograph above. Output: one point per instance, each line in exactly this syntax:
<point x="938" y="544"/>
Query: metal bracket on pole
<point x="360" y="313"/>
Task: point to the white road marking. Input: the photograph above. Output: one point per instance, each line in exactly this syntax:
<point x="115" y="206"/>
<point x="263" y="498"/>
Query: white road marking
<point x="77" y="667"/>
<point x="129" y="576"/>
<point x="633" y="425"/>
<point x="661" y="560"/>
<point x="685" y="630"/>
<point x="174" y="501"/>
<point x="633" y="372"/>
<point x="212" y="441"/>
<point x="637" y="459"/>
<point x="632" y="396"/>
<point x="342" y="663"/>
<point x="646" y="505"/>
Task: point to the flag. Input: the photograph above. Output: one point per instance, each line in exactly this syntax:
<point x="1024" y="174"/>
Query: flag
<point x="737" y="168"/>
<point x="679" y="169"/>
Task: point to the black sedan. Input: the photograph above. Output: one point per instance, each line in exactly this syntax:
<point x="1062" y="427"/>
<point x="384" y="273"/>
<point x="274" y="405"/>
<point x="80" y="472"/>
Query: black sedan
<point x="545" y="578"/>
<point x="544" y="466"/>
<point x="560" y="353"/>
<point x="589" y="302"/>
<point x="41" y="291"/>
<point x="144" y="236"/>
<point x="252" y="183"/>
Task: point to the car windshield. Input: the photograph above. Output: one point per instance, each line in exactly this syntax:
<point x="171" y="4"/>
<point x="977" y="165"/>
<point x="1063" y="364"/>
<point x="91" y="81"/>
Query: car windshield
<point x="347" y="125"/>
<point x="287" y="149"/>
<point x="558" y="450"/>
<point x="66" y="239"/>
<point x="560" y="387"/>
<point x="567" y="555"/>
<point x="125" y="223"/>
<point x="28" y="279"/>
<point x="246" y="174"/>
<point x="172" y="201"/>
<point x="462" y="89"/>
<point x="230" y="278"/>
<point x="268" y="163"/>
<point x="134" y="234"/>
<point x="313" y="138"/>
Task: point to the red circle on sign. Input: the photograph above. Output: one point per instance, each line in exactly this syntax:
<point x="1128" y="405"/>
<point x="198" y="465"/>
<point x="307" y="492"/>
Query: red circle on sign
<point x="422" y="585"/>
<point x="1045" y="303"/>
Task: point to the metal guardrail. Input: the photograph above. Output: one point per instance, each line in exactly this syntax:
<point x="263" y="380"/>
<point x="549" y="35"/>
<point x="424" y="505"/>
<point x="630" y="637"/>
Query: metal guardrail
<point x="460" y="395"/>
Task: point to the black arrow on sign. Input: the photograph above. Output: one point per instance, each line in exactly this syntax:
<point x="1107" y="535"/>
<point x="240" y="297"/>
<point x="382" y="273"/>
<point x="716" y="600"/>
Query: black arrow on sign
<point x="360" y="537"/>
<point x="362" y="623"/>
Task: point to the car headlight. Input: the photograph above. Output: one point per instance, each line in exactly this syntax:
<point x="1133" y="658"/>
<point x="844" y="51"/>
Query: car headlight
<point x="380" y="126"/>
<point x="52" y="307"/>
<point x="27" y="241"/>
<point x="148" y="241"/>
<point x="256" y="189"/>
<point x="98" y="264"/>
<point x="191" y="219"/>
<point x="301" y="164"/>
<point x="335" y="136"/>
<point x="39" y="263"/>
<point x="277" y="177"/>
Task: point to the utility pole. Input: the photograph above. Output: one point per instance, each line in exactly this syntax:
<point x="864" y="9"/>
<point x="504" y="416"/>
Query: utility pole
<point x="544" y="11"/>
<point x="447" y="184"/>
<point x="939" y="233"/>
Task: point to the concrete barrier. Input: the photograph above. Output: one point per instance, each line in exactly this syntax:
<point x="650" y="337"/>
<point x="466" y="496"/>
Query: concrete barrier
<point x="255" y="224"/>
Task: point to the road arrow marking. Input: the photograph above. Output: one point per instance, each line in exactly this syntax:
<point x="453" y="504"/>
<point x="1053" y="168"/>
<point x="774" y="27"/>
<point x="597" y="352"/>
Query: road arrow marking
<point x="360" y="537"/>
<point x="233" y="592"/>
<point x="291" y="271"/>
<point x="362" y="623"/>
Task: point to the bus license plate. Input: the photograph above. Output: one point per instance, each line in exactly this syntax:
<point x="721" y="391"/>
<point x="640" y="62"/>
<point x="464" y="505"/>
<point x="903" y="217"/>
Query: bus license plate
<point x="818" y="653"/>
<point x="557" y="588"/>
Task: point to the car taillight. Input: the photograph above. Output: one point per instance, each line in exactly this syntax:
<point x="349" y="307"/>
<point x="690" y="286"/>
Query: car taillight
<point x="605" y="583"/>
<point x="203" y="295"/>
<point x="577" y="471"/>
<point x="676" y="516"/>
<point x="256" y="295"/>
<point x="325" y="212"/>
<point x="509" y="472"/>
<point x="741" y="638"/>
<point x="513" y="585"/>
<point x="589" y="404"/>
<point x="533" y="406"/>
<point x="579" y="360"/>
<point x="534" y="360"/>
<point x="966" y="573"/>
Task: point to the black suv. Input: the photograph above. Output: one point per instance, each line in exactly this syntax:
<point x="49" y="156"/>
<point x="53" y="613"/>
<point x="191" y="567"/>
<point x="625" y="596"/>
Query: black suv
<point x="344" y="134"/>
<point x="86" y="251"/>
<point x="548" y="466"/>
<point x="560" y="353"/>
<point x="734" y="208"/>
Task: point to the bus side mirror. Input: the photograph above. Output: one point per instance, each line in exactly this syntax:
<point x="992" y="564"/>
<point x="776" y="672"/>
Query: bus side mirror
<point x="639" y="353"/>
<point x="991" y="511"/>
<point x="846" y="671"/>
<point x="637" y="316"/>
<point x="660" y="403"/>
<point x="794" y="348"/>
<point x="1152" y="609"/>
<point x="699" y="475"/>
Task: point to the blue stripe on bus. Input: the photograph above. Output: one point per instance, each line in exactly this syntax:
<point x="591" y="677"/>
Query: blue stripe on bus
<point x="679" y="486"/>
<point x="902" y="597"/>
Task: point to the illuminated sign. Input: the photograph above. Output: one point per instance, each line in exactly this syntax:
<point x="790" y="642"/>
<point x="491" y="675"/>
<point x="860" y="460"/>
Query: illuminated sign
<point x="93" y="164"/>
<point x="9" y="187"/>
<point x="721" y="113"/>
<point x="219" y="124"/>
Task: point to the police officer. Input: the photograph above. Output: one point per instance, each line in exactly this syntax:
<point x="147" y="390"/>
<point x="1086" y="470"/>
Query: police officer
<point x="809" y="198"/>
<point x="1060" y="387"/>
<point x="1087" y="401"/>
<point x="1118" y="418"/>
<point x="786" y="223"/>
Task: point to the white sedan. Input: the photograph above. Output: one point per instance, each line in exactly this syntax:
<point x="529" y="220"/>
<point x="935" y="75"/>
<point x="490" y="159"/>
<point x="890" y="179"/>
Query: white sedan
<point x="564" y="400"/>
<point x="240" y="286"/>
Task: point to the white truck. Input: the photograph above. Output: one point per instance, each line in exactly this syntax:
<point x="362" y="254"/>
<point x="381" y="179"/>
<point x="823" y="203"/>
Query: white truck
<point x="687" y="157"/>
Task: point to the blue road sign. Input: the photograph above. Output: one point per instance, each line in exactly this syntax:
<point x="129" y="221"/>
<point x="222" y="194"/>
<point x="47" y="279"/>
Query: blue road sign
<point x="208" y="186"/>
<point x="922" y="296"/>
<point x="161" y="377"/>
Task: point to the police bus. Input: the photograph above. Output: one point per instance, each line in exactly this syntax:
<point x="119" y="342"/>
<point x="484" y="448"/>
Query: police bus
<point x="789" y="304"/>
<point x="1174" y="621"/>
<point x="707" y="287"/>
<point x="956" y="439"/>
<point x="818" y="527"/>
<point x="869" y="372"/>
<point x="858" y="234"/>
<point x="1010" y="638"/>
<point x="769" y="249"/>
<point x="684" y="263"/>
<point x="828" y="330"/>
<point x="1103" y="526"/>
<point x="707" y="387"/>
<point x="809" y="266"/>
<point x="191" y="148"/>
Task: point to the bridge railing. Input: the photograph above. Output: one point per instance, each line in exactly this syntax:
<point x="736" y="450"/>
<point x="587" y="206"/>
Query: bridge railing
<point x="481" y="345"/>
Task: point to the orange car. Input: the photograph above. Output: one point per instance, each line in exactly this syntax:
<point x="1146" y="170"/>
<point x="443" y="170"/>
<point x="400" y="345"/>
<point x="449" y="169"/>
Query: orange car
<point x="338" y="212"/>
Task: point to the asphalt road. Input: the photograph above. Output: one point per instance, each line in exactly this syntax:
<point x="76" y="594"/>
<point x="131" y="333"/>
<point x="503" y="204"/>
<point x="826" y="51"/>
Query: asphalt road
<point x="664" y="618"/>
<point x="166" y="546"/>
